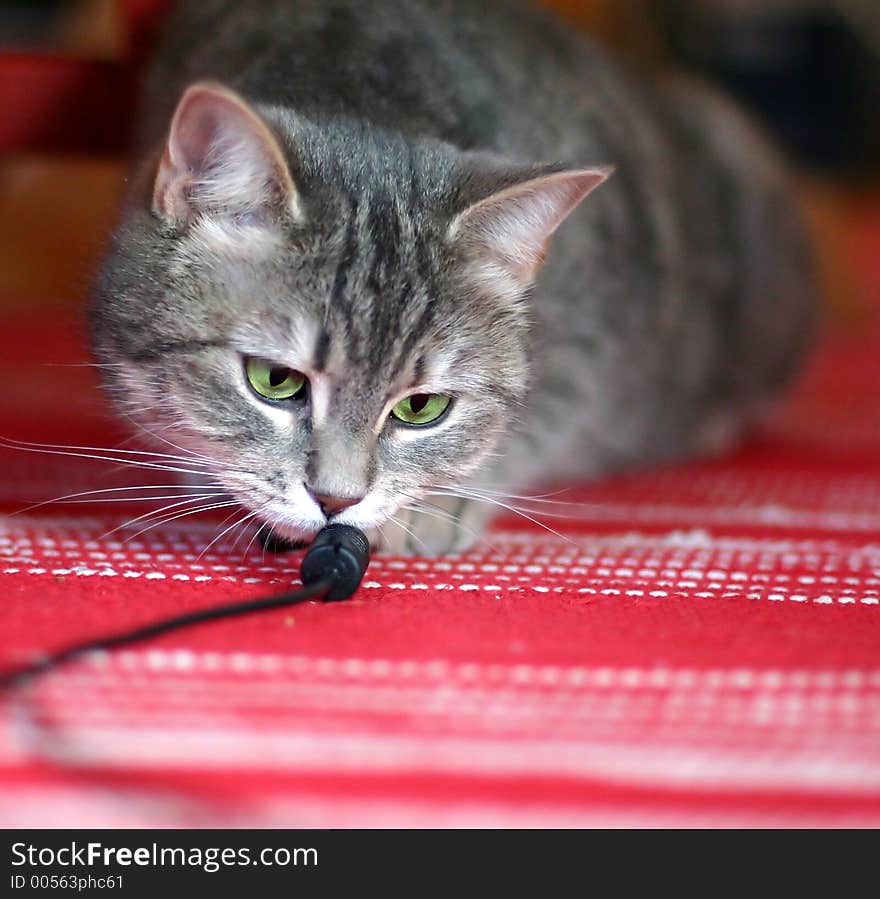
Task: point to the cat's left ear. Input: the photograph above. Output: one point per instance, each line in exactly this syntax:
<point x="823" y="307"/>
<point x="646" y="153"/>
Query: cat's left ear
<point x="220" y="158"/>
<point x="510" y="230"/>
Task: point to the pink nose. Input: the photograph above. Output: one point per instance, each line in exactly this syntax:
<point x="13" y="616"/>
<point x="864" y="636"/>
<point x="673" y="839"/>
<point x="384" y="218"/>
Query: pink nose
<point x="330" y="505"/>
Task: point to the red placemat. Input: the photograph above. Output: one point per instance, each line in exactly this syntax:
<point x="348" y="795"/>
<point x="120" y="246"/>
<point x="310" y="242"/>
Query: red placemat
<point x="700" y="647"/>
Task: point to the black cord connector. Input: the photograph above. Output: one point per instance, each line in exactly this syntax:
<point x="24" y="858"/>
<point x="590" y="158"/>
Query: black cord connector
<point x="332" y="569"/>
<point x="340" y="553"/>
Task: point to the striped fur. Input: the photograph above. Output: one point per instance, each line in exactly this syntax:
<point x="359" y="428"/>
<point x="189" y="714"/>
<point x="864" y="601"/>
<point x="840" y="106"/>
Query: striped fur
<point x="672" y="305"/>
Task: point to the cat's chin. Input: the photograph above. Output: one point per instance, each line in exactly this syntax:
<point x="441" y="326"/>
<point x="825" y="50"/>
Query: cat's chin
<point x="273" y="543"/>
<point x="289" y="533"/>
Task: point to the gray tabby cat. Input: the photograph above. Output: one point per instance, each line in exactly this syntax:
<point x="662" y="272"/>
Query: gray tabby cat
<point x="330" y="278"/>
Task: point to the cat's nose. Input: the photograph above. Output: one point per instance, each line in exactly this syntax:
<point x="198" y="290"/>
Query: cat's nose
<point x="330" y="505"/>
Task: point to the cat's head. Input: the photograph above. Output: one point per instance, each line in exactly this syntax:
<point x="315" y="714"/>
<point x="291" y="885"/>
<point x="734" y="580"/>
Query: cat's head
<point x="335" y="315"/>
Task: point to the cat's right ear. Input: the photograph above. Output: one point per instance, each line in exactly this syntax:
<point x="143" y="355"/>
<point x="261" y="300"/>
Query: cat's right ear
<point x="220" y="158"/>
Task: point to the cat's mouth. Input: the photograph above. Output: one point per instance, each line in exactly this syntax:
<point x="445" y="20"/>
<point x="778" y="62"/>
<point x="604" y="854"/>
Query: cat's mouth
<point x="272" y="514"/>
<point x="284" y="522"/>
<point x="297" y="518"/>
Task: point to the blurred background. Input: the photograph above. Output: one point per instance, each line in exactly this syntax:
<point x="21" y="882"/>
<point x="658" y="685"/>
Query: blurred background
<point x="809" y="69"/>
<point x="689" y="752"/>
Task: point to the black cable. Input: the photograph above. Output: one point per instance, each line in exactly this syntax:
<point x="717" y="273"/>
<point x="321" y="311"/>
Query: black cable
<point x="332" y="569"/>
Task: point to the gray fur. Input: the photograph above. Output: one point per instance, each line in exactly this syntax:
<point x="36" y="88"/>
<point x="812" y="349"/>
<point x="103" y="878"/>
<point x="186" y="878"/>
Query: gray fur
<point x="674" y="302"/>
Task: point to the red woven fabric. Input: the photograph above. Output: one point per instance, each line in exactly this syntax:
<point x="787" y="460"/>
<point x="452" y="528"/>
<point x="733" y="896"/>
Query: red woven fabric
<point x="700" y="647"/>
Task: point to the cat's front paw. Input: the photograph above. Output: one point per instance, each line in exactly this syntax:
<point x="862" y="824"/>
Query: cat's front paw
<point x="448" y="525"/>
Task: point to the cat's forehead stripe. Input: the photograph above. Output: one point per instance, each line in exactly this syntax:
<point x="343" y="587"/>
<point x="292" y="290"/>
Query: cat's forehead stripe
<point x="415" y="333"/>
<point x="338" y="296"/>
<point x="322" y="350"/>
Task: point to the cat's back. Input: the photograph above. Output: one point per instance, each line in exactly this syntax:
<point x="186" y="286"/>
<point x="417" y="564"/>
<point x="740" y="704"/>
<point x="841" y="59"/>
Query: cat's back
<point x="500" y="75"/>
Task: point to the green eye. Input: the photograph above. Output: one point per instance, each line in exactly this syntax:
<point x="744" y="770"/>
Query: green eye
<point x="274" y="382"/>
<point x="421" y="408"/>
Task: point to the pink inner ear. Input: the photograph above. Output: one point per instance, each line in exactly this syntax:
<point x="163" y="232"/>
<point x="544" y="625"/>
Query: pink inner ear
<point x="516" y="224"/>
<point x="219" y="156"/>
<point x="169" y="190"/>
<point x="195" y="131"/>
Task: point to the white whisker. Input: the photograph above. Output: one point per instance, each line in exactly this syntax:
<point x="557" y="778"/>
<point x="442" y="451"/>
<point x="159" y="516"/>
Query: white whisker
<point x="154" y="466"/>
<point x="570" y="513"/>
<point x="69" y="497"/>
<point x="129" y="499"/>
<point x="254" y="536"/>
<point x="235" y="542"/>
<point x="12" y="443"/>
<point x="539" y="498"/>
<point x="153" y="513"/>
<point x="168" y="519"/>
<point x="187" y="452"/>
<point x="436" y="490"/>
<point x="403" y="527"/>
<point x="419" y="505"/>
<point x="235" y="524"/>
<point x="83" y="364"/>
